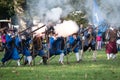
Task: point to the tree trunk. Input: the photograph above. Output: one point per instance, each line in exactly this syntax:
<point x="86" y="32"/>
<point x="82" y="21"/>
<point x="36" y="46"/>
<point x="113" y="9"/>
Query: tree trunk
<point x="20" y="14"/>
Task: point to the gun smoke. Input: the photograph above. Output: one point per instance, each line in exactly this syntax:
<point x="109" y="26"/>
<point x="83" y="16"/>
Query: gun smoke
<point x="52" y="10"/>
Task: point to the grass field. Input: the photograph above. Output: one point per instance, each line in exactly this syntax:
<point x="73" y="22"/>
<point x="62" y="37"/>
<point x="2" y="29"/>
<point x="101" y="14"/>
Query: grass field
<point x="102" y="69"/>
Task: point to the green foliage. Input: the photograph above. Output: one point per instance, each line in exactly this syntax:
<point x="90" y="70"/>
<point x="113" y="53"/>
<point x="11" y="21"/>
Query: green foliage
<point x="79" y="17"/>
<point x="7" y="7"/>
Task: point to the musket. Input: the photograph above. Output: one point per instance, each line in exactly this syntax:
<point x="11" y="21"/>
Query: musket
<point x="32" y="42"/>
<point x="24" y="30"/>
<point x="36" y="29"/>
<point x="2" y="29"/>
<point x="32" y="32"/>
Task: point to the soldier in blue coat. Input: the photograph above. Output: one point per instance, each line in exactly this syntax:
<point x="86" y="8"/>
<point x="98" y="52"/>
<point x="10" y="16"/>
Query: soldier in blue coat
<point x="11" y="51"/>
<point x="55" y="46"/>
<point x="74" y="45"/>
<point x="25" y="48"/>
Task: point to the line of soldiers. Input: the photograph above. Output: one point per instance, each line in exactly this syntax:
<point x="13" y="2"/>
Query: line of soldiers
<point x="54" y="44"/>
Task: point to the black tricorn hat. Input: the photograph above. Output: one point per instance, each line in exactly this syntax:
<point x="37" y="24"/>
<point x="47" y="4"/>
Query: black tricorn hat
<point x="75" y="34"/>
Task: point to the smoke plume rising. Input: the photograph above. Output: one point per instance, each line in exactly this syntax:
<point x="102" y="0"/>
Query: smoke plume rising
<point x="52" y="10"/>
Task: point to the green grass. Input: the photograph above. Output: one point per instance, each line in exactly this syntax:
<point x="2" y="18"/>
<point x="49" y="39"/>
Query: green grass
<point x="102" y="69"/>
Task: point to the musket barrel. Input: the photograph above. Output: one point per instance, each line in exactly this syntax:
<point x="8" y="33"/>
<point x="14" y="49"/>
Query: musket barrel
<point x="25" y="30"/>
<point x="37" y="29"/>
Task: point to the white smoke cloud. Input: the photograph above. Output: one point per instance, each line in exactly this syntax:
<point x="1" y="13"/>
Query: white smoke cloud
<point x="49" y="10"/>
<point x="54" y="14"/>
<point x="40" y="31"/>
<point x="111" y="10"/>
<point x="66" y="28"/>
<point x="53" y="9"/>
